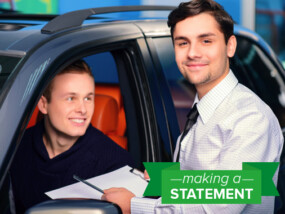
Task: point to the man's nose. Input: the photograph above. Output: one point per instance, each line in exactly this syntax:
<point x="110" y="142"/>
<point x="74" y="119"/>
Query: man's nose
<point x="81" y="107"/>
<point x="194" y="51"/>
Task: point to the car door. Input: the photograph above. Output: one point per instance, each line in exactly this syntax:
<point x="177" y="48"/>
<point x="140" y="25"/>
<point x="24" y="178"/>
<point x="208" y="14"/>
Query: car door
<point x="115" y="53"/>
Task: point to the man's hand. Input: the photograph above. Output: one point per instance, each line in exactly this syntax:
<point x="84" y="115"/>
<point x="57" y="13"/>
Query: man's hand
<point x="120" y="196"/>
<point x="146" y="176"/>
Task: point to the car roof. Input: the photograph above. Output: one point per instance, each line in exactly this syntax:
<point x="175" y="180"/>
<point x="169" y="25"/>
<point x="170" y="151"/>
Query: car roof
<point x="33" y="29"/>
<point x="23" y="32"/>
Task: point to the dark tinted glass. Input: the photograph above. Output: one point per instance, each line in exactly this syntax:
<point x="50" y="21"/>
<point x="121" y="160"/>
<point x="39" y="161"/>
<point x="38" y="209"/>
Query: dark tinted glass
<point x="255" y="69"/>
<point x="7" y="65"/>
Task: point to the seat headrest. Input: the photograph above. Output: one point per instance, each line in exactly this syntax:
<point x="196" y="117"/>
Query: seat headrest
<point x="105" y="117"/>
<point x="110" y="90"/>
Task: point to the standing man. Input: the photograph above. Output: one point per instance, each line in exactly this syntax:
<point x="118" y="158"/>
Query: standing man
<point x="233" y="124"/>
<point x="64" y="143"/>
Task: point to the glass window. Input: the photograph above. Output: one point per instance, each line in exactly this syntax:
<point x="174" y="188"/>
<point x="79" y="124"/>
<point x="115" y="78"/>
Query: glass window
<point x="270" y="24"/>
<point x="182" y="92"/>
<point x="7" y="65"/>
<point x="112" y="101"/>
<point x="255" y="70"/>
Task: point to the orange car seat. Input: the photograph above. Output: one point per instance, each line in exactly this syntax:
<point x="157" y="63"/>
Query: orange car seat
<point x="113" y="90"/>
<point x="105" y="118"/>
<point x="34" y="118"/>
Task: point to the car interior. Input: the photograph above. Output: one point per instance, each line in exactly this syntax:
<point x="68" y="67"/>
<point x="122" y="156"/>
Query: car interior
<point x="109" y="113"/>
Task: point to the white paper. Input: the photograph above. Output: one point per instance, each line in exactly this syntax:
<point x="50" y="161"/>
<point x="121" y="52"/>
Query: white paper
<point x="119" y="178"/>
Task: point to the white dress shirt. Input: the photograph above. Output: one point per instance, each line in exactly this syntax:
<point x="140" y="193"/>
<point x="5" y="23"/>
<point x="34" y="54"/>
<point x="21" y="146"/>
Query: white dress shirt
<point x="234" y="126"/>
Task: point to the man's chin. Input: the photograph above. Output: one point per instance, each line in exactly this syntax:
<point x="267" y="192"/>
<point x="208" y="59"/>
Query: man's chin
<point x="78" y="133"/>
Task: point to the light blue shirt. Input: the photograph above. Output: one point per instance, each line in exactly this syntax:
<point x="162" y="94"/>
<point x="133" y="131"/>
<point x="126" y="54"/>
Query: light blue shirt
<point x="234" y="126"/>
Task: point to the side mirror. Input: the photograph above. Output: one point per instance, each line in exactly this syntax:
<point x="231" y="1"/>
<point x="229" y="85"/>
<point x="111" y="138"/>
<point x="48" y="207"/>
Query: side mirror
<point x="86" y="206"/>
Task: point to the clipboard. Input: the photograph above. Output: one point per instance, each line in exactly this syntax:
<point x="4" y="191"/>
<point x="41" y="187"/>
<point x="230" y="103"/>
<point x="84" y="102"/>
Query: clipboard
<point x="138" y="173"/>
<point x="123" y="177"/>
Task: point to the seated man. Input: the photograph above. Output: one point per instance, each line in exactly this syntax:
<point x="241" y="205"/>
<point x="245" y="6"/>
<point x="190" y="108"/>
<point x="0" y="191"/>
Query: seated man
<point x="64" y="143"/>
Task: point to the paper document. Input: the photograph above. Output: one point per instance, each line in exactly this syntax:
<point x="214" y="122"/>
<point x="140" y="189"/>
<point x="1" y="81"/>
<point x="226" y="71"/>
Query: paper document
<point x="122" y="177"/>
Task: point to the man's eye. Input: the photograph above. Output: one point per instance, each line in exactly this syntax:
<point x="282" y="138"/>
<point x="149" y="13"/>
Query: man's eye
<point x="69" y="98"/>
<point x="206" y="41"/>
<point x="182" y="43"/>
<point x="87" y="98"/>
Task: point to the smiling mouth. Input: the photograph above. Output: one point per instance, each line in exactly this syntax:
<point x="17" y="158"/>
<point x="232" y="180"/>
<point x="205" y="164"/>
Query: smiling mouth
<point x="195" y="65"/>
<point x="79" y="121"/>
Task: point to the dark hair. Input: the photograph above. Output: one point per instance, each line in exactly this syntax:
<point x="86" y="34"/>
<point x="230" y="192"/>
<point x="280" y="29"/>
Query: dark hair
<point x="195" y="7"/>
<point x="77" y="67"/>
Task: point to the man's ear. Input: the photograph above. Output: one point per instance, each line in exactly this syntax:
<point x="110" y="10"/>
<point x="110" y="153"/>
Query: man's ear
<point x="231" y="46"/>
<point x="42" y="105"/>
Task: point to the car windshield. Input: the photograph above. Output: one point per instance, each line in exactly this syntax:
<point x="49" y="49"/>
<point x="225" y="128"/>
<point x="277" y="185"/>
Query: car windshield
<point x="7" y="65"/>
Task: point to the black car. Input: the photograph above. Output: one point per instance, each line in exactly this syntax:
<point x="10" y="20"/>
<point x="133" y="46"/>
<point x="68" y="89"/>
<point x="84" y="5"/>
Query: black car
<point x="133" y="62"/>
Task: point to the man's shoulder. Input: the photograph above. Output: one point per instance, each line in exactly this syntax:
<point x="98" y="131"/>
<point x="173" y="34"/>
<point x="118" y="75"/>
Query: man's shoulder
<point x="246" y="99"/>
<point x="96" y="134"/>
<point x="244" y="103"/>
<point x="30" y="133"/>
<point x="104" y="146"/>
<point x="100" y="138"/>
<point x="25" y="150"/>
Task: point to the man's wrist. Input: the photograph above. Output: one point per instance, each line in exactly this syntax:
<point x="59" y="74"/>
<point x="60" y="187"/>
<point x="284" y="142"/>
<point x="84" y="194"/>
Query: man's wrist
<point x="142" y="205"/>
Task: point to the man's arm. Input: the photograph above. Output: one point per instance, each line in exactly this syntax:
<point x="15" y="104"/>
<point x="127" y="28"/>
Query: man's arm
<point x="120" y="196"/>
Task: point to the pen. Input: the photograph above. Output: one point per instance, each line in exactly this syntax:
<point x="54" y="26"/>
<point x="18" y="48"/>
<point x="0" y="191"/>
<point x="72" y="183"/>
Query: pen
<point x="87" y="183"/>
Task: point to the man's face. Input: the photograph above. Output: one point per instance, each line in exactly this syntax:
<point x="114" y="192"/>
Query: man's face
<point x="201" y="52"/>
<point x="71" y="107"/>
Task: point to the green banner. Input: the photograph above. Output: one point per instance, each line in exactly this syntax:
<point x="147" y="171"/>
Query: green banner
<point x="154" y="171"/>
<point x="244" y="186"/>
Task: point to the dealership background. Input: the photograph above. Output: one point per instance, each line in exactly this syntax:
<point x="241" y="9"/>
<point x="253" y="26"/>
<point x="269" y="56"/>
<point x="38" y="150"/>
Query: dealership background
<point x="266" y="17"/>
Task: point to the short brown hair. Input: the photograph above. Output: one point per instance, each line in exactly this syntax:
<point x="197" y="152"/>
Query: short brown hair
<point x="195" y="7"/>
<point x="79" y="66"/>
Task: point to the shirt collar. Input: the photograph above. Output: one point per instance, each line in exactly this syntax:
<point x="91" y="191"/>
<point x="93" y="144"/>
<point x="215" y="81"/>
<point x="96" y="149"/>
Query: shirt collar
<point x="208" y="104"/>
